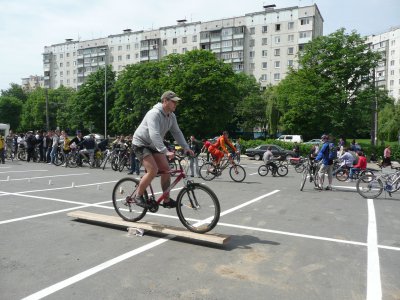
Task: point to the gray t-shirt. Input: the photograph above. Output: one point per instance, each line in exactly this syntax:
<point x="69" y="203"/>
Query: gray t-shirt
<point x="153" y="128"/>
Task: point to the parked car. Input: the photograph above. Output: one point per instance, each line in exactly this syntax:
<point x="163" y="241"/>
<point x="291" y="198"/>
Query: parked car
<point x="314" y="142"/>
<point x="98" y="137"/>
<point x="290" y="138"/>
<point x="259" y="151"/>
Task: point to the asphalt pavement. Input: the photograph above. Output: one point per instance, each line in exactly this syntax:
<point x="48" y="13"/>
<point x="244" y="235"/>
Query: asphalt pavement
<point x="285" y="244"/>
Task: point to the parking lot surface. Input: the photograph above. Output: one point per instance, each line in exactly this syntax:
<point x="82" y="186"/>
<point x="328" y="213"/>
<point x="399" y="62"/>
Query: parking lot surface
<point x="285" y="244"/>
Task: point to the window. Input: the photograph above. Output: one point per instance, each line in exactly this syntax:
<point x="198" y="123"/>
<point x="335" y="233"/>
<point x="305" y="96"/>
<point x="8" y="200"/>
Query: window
<point x="174" y="51"/>
<point x="128" y="57"/>
<point x="277" y="39"/>
<point x="252" y="30"/>
<point x="392" y="72"/>
<point x="265" y="29"/>
<point x="252" y="42"/>
<point x="67" y="63"/>
<point x="137" y="55"/>
<point x="264" y="65"/>
<point x="290" y="38"/>
<point x="277" y="27"/>
<point x="277" y="52"/>
<point x="165" y="52"/>
<point x="164" y="42"/>
<point x="68" y="73"/>
<point x="290" y="50"/>
<point x="119" y="48"/>
<point x="252" y="54"/>
<point x="264" y="41"/>
<point x="62" y="74"/>
<point x="194" y="48"/>
<point x="290" y="63"/>
<point x="263" y="77"/>
<point x="277" y="64"/>
<point x="305" y="34"/>
<point x="67" y="54"/>
<point x="61" y="55"/>
<point x="304" y="21"/>
<point x="252" y="66"/>
<point x="174" y="41"/>
<point x="194" y="38"/>
<point x="391" y="63"/>
<point x="290" y="25"/>
<point x="136" y="45"/>
<point x="128" y="47"/>
<point x="119" y="57"/>
<point x="264" y="53"/>
<point x="61" y="65"/>
<point x="184" y="40"/>
<point x="184" y="50"/>
<point x="277" y="76"/>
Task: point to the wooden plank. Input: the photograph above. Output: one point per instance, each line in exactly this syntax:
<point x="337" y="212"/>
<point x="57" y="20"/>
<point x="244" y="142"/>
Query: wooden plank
<point x="214" y="238"/>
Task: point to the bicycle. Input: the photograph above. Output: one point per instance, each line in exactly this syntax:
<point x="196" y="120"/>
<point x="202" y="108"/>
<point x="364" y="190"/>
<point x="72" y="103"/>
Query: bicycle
<point x="208" y="171"/>
<point x="198" y="207"/>
<point x="310" y="172"/>
<point x="371" y="186"/>
<point x="280" y="168"/>
<point x="343" y="172"/>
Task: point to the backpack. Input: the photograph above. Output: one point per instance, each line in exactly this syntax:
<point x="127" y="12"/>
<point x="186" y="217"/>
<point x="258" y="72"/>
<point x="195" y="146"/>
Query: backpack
<point x="332" y="151"/>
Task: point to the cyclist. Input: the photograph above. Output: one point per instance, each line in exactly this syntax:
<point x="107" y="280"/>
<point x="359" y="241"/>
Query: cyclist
<point x="222" y="141"/>
<point x="149" y="148"/>
<point x="215" y="152"/>
<point x="268" y="158"/>
<point x="361" y="165"/>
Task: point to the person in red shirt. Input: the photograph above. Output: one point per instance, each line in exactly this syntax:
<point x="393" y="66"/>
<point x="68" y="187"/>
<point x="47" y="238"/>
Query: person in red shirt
<point x="361" y="165"/>
<point x="215" y="152"/>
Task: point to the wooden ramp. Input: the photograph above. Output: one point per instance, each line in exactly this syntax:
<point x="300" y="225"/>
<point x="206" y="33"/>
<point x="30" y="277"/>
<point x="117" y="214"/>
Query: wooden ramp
<point x="214" y="238"/>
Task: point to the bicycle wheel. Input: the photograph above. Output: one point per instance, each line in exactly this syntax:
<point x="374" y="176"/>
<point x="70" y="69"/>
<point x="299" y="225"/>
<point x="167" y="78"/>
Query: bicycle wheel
<point x="59" y="159"/>
<point x="208" y="172"/>
<point x="123" y="200"/>
<point x="114" y="163"/>
<point x="198" y="208"/>
<point x="122" y="164"/>
<point x="72" y="161"/>
<point x="263" y="170"/>
<point x="282" y="170"/>
<point x="299" y="168"/>
<point x="237" y="173"/>
<point x="342" y="174"/>
<point x="369" y="187"/>
<point x="368" y="175"/>
<point x="22" y="155"/>
<point x="303" y="179"/>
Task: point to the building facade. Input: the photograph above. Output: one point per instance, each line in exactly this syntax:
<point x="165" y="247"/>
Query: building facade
<point x="387" y="74"/>
<point x="32" y="82"/>
<point x="263" y="44"/>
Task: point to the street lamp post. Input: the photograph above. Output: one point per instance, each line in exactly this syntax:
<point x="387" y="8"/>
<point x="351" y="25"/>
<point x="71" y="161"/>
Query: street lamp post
<point x="105" y="92"/>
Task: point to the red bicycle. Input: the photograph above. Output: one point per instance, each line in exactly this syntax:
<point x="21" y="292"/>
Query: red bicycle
<point x="198" y="207"/>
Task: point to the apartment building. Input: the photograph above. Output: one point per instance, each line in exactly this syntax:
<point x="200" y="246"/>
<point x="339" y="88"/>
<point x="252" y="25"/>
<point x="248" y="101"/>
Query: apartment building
<point x="387" y="74"/>
<point x="32" y="82"/>
<point x="263" y="44"/>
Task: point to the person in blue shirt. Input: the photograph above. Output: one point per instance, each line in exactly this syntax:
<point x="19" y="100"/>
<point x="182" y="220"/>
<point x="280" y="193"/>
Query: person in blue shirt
<point x="326" y="155"/>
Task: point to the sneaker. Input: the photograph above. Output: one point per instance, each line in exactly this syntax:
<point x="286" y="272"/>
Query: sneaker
<point x="318" y="188"/>
<point x="170" y="204"/>
<point x="328" y="188"/>
<point x="349" y="180"/>
<point x="139" y="200"/>
<point x="130" y="173"/>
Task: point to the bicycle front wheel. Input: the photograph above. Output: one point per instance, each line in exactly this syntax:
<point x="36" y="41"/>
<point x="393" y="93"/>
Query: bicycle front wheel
<point x="299" y="167"/>
<point x="208" y="171"/>
<point x="198" y="208"/>
<point x="263" y="170"/>
<point x="237" y="173"/>
<point x="282" y="170"/>
<point x="123" y="200"/>
<point x="369" y="187"/>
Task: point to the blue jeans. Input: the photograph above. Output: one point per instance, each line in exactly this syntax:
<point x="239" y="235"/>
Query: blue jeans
<point x="53" y="154"/>
<point x="134" y="164"/>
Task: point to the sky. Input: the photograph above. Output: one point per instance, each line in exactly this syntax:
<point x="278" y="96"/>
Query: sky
<point x="27" y="26"/>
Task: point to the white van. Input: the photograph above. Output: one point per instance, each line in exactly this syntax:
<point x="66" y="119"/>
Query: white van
<point x="290" y="138"/>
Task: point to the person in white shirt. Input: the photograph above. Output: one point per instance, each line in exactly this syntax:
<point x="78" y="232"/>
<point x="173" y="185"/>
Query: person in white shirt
<point x="346" y="158"/>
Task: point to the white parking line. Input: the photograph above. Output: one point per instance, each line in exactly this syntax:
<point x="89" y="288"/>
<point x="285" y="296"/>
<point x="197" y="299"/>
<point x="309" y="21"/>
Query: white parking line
<point x="374" y="286"/>
<point x="25" y="171"/>
<point x="64" y="175"/>
<point x="69" y="281"/>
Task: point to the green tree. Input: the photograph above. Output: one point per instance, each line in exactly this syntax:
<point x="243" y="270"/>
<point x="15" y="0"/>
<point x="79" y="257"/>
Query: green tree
<point x="389" y="122"/>
<point x="330" y="91"/>
<point x="15" y="90"/>
<point x="33" y="111"/>
<point x="10" y="110"/>
<point x="86" y="108"/>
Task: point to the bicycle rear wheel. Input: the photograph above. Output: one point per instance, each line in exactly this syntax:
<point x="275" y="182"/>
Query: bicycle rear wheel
<point x="299" y="167"/>
<point x="237" y="173"/>
<point x="59" y="159"/>
<point x="342" y="174"/>
<point x="369" y="187"/>
<point x="208" y="172"/>
<point x="282" y="170"/>
<point x="123" y="200"/>
<point x="72" y="160"/>
<point x="263" y="170"/>
<point x="198" y="208"/>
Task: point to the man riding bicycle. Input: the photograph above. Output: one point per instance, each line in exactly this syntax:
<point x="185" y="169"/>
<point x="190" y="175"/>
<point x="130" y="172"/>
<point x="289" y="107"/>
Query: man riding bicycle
<point x="147" y="142"/>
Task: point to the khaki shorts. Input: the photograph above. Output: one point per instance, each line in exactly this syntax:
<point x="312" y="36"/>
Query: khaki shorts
<point x="142" y="152"/>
